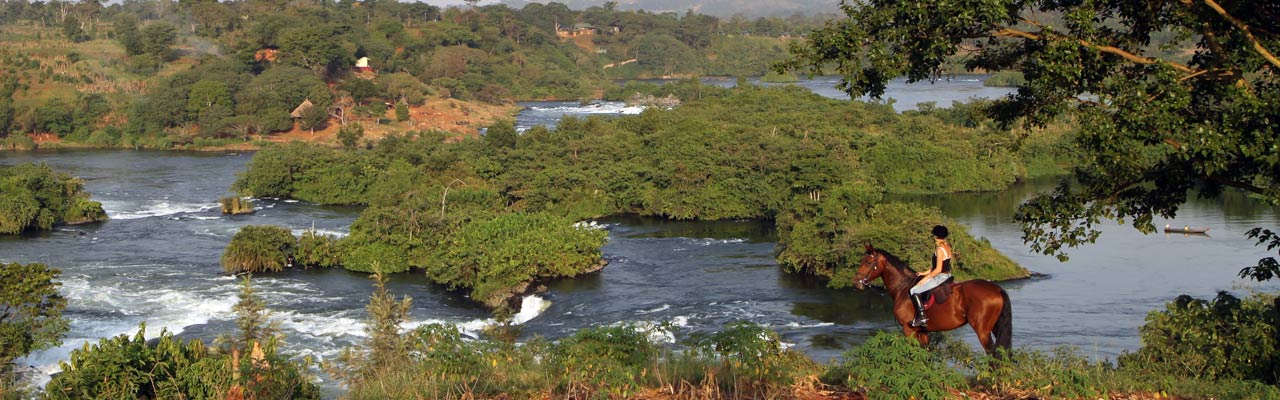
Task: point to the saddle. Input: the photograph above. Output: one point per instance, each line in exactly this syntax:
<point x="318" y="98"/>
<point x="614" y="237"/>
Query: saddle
<point x="939" y="294"/>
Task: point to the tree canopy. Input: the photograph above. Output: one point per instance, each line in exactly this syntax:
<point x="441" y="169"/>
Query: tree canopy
<point x="1172" y="98"/>
<point x="31" y="316"/>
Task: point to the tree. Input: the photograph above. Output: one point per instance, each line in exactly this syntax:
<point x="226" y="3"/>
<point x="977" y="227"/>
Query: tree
<point x="350" y="136"/>
<point x="314" y="46"/>
<point x="314" y="117"/>
<point x="1154" y="127"/>
<point x="253" y="318"/>
<point x="402" y="112"/>
<point x="157" y="39"/>
<point x="31" y="317"/>
<point x="207" y="93"/>
<point x="72" y="30"/>
<point x="128" y="35"/>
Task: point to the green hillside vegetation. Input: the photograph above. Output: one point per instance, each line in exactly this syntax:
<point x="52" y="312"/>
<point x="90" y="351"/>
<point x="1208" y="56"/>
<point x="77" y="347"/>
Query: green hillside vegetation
<point x="36" y="198"/>
<point x="145" y="74"/>
<point x="816" y="166"/>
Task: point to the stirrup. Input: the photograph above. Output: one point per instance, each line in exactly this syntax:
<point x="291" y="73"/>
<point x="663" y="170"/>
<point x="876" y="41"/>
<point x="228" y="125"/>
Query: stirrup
<point x="919" y="322"/>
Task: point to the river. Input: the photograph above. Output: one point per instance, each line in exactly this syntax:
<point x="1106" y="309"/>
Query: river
<point x="156" y="261"/>
<point x="898" y="92"/>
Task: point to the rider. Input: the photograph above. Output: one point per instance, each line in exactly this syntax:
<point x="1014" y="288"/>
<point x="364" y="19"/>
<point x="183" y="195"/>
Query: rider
<point x="938" y="273"/>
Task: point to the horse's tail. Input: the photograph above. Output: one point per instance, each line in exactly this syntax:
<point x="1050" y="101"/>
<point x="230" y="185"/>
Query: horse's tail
<point x="1004" y="325"/>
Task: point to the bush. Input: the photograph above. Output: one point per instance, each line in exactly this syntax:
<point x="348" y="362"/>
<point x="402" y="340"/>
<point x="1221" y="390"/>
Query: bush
<point x="497" y="258"/>
<point x="603" y="362"/>
<point x="752" y="354"/>
<point x="893" y="366"/>
<point x="318" y="250"/>
<point x="1005" y="79"/>
<point x="258" y="249"/>
<point x="34" y="197"/>
<point x="1225" y="338"/>
<point x="1065" y="373"/>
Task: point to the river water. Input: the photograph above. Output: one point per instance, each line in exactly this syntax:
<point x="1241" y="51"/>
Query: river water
<point x="156" y="261"/>
<point x="898" y="92"/>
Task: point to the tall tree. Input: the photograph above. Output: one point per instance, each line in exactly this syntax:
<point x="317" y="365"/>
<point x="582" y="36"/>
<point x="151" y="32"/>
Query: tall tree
<point x="158" y="38"/>
<point x="1154" y="127"/>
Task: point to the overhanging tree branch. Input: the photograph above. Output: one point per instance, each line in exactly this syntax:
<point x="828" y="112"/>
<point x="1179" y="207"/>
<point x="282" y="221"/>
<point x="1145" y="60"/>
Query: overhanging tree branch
<point x="1257" y="45"/>
<point x="1010" y="32"/>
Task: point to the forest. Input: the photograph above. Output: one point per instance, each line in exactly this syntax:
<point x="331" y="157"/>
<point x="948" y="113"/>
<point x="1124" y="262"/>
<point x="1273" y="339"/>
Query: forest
<point x="157" y="74"/>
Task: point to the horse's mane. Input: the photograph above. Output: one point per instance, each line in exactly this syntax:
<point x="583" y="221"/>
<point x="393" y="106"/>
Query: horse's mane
<point x="897" y="262"/>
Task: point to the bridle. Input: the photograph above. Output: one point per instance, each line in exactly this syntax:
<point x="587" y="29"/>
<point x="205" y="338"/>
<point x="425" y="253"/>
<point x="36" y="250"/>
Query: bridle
<point x="864" y="280"/>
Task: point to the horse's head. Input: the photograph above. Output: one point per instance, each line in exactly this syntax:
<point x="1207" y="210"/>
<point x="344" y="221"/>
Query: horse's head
<point x="872" y="266"/>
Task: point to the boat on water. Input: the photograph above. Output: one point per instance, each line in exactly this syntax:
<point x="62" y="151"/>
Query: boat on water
<point x="1184" y="229"/>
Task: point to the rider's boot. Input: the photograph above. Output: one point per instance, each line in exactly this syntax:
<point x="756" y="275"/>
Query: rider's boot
<point x="920" y="318"/>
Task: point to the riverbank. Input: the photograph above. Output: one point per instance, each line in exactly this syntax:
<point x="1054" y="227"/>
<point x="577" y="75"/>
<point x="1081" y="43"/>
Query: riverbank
<point x="458" y="119"/>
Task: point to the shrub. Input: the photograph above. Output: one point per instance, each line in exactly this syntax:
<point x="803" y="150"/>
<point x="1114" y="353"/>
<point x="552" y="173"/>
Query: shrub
<point x="498" y="257"/>
<point x="1005" y="79"/>
<point x="258" y="249"/>
<point x="603" y="362"/>
<point x="753" y="355"/>
<point x="893" y="366"/>
<point x="402" y="113"/>
<point x="318" y="250"/>
<point x="1065" y="373"/>
<point x="1222" y="338"/>
<point x="34" y="197"/>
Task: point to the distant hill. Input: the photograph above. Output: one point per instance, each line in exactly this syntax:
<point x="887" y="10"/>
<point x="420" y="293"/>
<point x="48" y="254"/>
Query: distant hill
<point x="719" y="8"/>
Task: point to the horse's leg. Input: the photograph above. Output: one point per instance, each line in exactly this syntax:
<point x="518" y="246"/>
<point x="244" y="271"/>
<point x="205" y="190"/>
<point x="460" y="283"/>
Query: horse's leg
<point x="916" y="333"/>
<point x="984" y="337"/>
<point x="982" y="315"/>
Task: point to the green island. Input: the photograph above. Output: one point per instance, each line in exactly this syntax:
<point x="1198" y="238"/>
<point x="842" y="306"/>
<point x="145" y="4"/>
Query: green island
<point x="37" y="198"/>
<point x="381" y="104"/>
<point x="819" y="168"/>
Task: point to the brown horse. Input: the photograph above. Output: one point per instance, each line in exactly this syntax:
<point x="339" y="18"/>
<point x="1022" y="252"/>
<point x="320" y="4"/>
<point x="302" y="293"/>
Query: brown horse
<point x="981" y="304"/>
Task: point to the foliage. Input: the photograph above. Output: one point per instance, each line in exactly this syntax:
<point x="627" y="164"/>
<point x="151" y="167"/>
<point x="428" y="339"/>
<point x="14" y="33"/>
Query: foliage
<point x="1225" y="338"/>
<point x="812" y="164"/>
<point x="603" y="361"/>
<point x="1005" y="79"/>
<point x="313" y="118"/>
<point x="252" y="318"/>
<point x="386" y="348"/>
<point x="496" y="258"/>
<point x="255" y="248"/>
<point x="317" y="250"/>
<point x="1154" y="127"/>
<point x="350" y="135"/>
<point x="35" y="197"/>
<point x="167" y="367"/>
<point x="1066" y="373"/>
<point x="157" y="40"/>
<point x="892" y="366"/>
<point x="32" y="317"/>
<point x="752" y="357"/>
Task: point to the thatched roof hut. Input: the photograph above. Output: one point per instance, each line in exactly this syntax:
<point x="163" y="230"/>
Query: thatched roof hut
<point x="297" y="112"/>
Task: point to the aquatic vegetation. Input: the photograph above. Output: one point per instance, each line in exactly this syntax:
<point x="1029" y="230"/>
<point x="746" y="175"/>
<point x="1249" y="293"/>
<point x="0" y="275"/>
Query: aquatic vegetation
<point x="35" y="197"/>
<point x="259" y="249"/>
